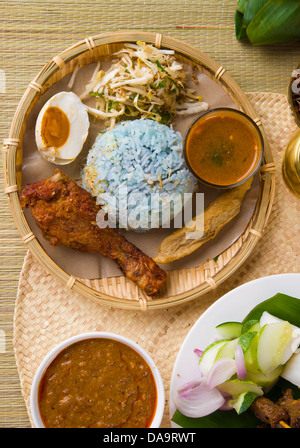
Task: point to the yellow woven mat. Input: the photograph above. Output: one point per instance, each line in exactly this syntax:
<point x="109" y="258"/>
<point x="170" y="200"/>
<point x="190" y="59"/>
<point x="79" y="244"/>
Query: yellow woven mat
<point x="47" y="312"/>
<point x="35" y="31"/>
<point x="32" y="32"/>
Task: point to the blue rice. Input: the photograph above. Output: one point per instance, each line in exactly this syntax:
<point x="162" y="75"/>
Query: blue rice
<point x="145" y="157"/>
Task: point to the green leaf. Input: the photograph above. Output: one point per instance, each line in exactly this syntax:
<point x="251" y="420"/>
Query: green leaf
<point x="276" y="22"/>
<point x="253" y="7"/>
<point x="219" y="419"/>
<point x="242" y="5"/>
<point x="243" y="402"/>
<point x="246" y="10"/>
<point x="240" y="29"/>
<point x="245" y="339"/>
<point x="248" y="324"/>
<point x="281" y="305"/>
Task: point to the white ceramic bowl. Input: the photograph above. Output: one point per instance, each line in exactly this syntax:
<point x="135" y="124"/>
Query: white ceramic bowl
<point x="34" y="407"/>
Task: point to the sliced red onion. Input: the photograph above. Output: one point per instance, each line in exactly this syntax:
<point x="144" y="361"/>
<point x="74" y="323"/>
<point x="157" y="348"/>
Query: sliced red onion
<point x="227" y="397"/>
<point x="190" y="385"/>
<point x="198" y="352"/>
<point x="199" y="401"/>
<point x="225" y="407"/>
<point x="221" y="371"/>
<point x="240" y="362"/>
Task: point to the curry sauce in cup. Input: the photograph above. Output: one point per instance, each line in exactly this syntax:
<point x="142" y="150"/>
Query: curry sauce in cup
<point x="223" y="148"/>
<point x="97" y="380"/>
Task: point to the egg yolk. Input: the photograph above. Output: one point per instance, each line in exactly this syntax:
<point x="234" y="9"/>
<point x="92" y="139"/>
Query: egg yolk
<point x="55" y="128"/>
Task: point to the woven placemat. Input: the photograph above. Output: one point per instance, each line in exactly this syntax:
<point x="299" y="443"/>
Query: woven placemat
<point x="46" y="312"/>
<point x="32" y="32"/>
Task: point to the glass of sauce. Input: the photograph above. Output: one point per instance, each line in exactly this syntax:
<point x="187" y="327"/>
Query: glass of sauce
<point x="223" y="148"/>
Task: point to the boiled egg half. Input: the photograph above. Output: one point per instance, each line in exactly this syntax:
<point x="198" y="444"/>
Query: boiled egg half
<point x="61" y="128"/>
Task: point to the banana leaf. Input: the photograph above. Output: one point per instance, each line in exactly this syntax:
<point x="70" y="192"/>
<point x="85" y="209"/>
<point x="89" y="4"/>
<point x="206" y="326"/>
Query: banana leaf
<point x="242" y="6"/>
<point x="283" y="306"/>
<point x="240" y="29"/>
<point x="278" y="21"/>
<point x="253" y="7"/>
<point x="219" y="419"/>
<point x="246" y="11"/>
<point x="263" y="22"/>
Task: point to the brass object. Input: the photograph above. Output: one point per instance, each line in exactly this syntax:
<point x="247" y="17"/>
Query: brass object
<point x="291" y="165"/>
<point x="291" y="160"/>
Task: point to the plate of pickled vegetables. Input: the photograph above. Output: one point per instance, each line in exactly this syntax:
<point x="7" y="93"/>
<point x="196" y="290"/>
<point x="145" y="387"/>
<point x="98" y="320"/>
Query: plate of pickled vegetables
<point x="239" y="366"/>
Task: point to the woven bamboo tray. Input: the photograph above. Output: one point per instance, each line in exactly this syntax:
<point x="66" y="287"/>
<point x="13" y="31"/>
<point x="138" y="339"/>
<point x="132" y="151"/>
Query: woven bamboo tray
<point x="183" y="285"/>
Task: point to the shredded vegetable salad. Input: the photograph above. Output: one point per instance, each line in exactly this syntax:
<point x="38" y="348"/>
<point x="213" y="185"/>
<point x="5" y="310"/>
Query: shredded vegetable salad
<point x="144" y="82"/>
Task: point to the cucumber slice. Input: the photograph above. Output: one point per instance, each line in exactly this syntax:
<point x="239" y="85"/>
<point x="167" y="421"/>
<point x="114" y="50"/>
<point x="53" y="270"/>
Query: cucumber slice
<point x="243" y="402"/>
<point x="237" y="387"/>
<point x="255" y="326"/>
<point x="251" y="353"/>
<point x="294" y="342"/>
<point x="291" y="370"/>
<point x="273" y="339"/>
<point x="266" y="382"/>
<point x="247" y="326"/>
<point x="228" y="350"/>
<point x="267" y="318"/>
<point x="209" y="355"/>
<point x="229" y="330"/>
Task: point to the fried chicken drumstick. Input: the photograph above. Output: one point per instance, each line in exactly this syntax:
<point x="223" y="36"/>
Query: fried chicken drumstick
<point x="66" y="214"/>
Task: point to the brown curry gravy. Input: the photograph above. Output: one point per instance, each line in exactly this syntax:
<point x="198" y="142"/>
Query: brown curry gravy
<point x="97" y="383"/>
<point x="222" y="149"/>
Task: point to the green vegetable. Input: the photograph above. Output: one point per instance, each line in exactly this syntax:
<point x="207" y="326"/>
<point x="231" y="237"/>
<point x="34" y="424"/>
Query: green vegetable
<point x="245" y="340"/>
<point x="243" y="402"/>
<point x="209" y="355"/>
<point x="248" y="325"/>
<point x="251" y="352"/>
<point x="264" y="22"/>
<point x="165" y="71"/>
<point x="265" y="381"/>
<point x="227" y="350"/>
<point x="272" y="341"/>
<point x="229" y="330"/>
<point x="98" y="94"/>
<point x="237" y="387"/>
